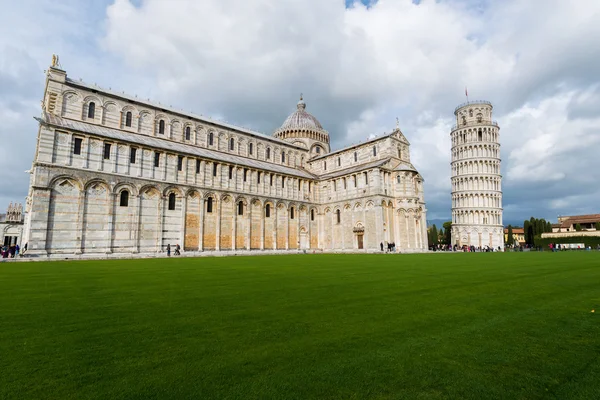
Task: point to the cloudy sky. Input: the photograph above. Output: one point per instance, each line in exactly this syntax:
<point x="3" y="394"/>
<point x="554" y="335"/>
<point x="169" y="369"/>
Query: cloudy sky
<point x="359" y="64"/>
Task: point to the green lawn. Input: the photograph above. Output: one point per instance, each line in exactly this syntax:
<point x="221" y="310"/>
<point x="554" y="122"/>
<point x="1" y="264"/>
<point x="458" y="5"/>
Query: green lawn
<point x="473" y="326"/>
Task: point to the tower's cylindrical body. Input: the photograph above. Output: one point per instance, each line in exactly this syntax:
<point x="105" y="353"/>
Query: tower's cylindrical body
<point x="476" y="178"/>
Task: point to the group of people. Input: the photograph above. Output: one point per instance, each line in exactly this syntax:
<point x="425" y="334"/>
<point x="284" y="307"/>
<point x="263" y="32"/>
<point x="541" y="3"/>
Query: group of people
<point x="177" y="250"/>
<point x="10" y="251"/>
<point x="390" y="247"/>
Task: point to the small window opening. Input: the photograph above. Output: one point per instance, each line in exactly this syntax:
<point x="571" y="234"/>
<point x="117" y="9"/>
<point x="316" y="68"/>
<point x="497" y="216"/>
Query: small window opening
<point x="91" y="110"/>
<point x="77" y="146"/>
<point x="107" y="151"/>
<point x="124" y="201"/>
<point x="172" y="201"/>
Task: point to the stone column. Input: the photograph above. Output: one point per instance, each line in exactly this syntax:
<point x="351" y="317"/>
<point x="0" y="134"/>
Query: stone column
<point x="249" y="224"/>
<point x="136" y="224"/>
<point x="161" y="213"/>
<point x="86" y="152"/>
<point x="406" y="217"/>
<point x="141" y="162"/>
<point x="69" y="158"/>
<point x="164" y="171"/>
<point x="287" y="230"/>
<point x="234" y="227"/>
<point x="262" y="230"/>
<point x="218" y="235"/>
<point x="183" y="225"/>
<point x="80" y="210"/>
<point x="201" y="226"/>
<point x="115" y="156"/>
<point x="275" y="227"/>
<point x="111" y="221"/>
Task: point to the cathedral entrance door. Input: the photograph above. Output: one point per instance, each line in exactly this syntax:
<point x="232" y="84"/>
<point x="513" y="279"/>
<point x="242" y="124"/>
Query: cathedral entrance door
<point x="303" y="240"/>
<point x="360" y="240"/>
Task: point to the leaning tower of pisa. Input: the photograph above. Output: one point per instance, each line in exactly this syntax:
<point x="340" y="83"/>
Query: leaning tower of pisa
<point x="476" y="179"/>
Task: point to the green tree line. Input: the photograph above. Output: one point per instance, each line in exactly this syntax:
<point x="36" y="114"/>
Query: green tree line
<point x="534" y="227"/>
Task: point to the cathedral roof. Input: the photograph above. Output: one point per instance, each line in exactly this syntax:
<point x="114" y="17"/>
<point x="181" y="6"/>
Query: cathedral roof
<point x="167" y="145"/>
<point x="170" y="109"/>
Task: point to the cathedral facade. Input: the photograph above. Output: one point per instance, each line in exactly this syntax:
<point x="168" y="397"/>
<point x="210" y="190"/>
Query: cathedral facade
<point x="113" y="174"/>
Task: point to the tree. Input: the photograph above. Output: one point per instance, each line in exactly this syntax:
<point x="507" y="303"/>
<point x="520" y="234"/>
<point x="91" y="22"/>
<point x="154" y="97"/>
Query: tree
<point x="598" y="226"/>
<point x="510" y="240"/>
<point x="448" y="232"/>
<point x="577" y="227"/>
<point x="434" y="235"/>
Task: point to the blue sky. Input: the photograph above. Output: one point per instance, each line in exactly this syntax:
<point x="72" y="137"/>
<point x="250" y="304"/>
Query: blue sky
<point x="359" y="67"/>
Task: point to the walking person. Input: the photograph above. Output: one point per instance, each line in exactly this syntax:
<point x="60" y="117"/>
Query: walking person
<point x="17" y="250"/>
<point x="177" y="248"/>
<point x="169" y="250"/>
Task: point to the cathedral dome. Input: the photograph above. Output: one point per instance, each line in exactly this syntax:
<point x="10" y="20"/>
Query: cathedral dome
<point x="300" y="119"/>
<point x="304" y="130"/>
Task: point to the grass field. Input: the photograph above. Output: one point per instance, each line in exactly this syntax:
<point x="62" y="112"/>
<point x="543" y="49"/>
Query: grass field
<point x="472" y="326"/>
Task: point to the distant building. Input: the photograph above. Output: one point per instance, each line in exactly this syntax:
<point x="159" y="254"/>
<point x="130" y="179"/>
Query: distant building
<point x="518" y="235"/>
<point x="11" y="225"/>
<point x="567" y="226"/>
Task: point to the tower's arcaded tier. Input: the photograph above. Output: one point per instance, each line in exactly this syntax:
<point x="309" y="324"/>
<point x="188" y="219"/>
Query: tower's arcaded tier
<point x="476" y="178"/>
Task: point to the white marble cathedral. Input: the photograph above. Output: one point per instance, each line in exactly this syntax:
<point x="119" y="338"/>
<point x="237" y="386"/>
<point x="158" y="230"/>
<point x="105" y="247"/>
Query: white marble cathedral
<point x="476" y="179"/>
<point x="114" y="174"/>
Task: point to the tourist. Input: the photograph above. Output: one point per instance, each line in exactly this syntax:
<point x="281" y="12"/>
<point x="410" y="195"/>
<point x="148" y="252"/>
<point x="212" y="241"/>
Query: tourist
<point x="168" y="250"/>
<point x="381" y="245"/>
<point x="177" y="248"/>
<point x="17" y="248"/>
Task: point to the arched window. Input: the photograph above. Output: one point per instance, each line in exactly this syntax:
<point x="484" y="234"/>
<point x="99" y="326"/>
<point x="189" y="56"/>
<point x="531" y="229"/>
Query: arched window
<point x="91" y="110"/>
<point x="338" y="214"/>
<point x="318" y="150"/>
<point x="172" y="201"/>
<point x="282" y="157"/>
<point x="268" y="211"/>
<point x="231" y="144"/>
<point x="241" y="208"/>
<point x="161" y="126"/>
<point x="251" y="148"/>
<point x="292" y="213"/>
<point x="374" y="151"/>
<point x="188" y="133"/>
<point x="398" y="178"/>
<point x="209" y="205"/>
<point x="268" y="153"/>
<point x="128" y="119"/>
<point x="124" y="199"/>
<point x="470" y="113"/>
<point x="210" y="138"/>
<point x="355" y="156"/>
<point x="339" y="161"/>
<point x="312" y="215"/>
<point x="480" y="135"/>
